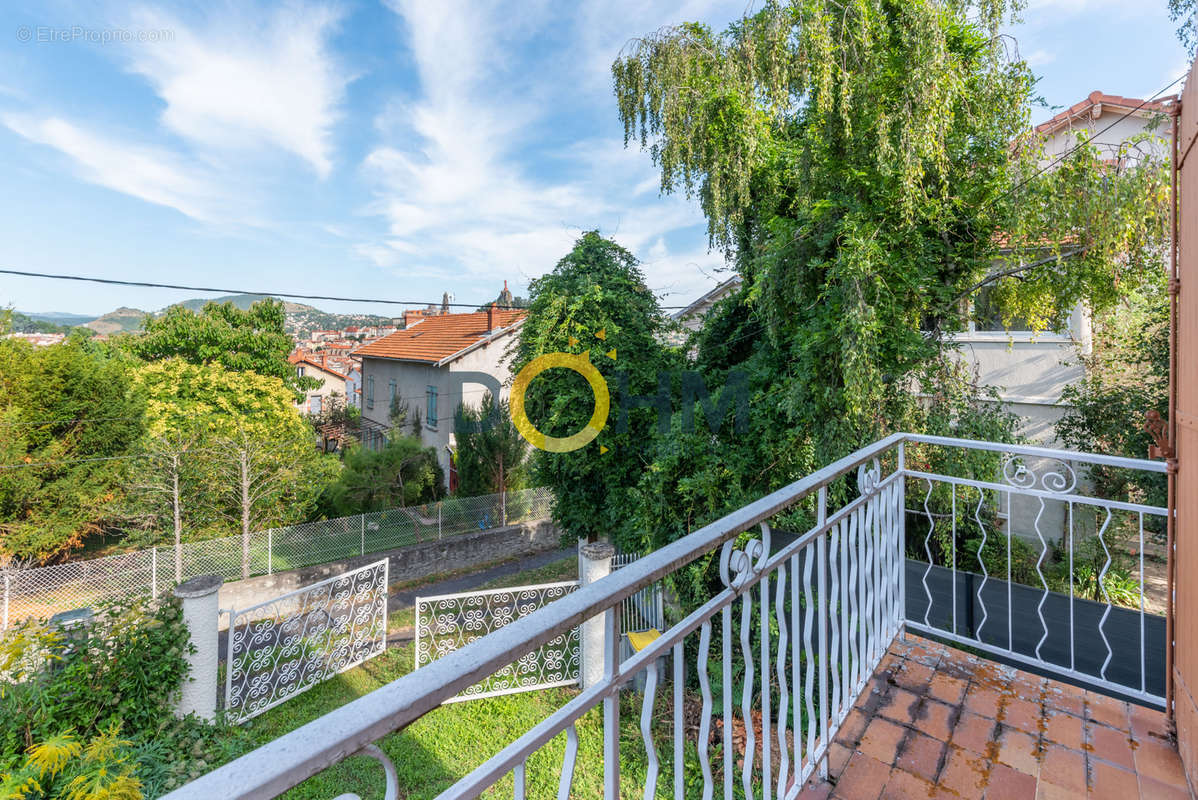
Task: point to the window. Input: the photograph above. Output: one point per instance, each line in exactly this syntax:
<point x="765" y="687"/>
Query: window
<point x="370" y="391"/>
<point x="314" y="404"/>
<point x="430" y="411"/>
<point x="988" y="315"/>
<point x="391" y="399"/>
<point x="299" y="372"/>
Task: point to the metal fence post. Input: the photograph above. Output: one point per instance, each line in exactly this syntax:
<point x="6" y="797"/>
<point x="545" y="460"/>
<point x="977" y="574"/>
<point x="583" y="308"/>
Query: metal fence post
<point x="6" y="593"/>
<point x="270" y="551"/>
<point x="439" y="504"/>
<point x="362" y="517"/>
<point x="154" y="572"/>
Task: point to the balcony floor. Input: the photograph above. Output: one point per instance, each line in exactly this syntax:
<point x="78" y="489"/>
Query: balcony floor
<point x="937" y="722"/>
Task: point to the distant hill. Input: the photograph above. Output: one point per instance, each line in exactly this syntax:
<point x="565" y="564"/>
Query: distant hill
<point x="122" y="320"/>
<point x="301" y="319"/>
<point x="57" y="318"/>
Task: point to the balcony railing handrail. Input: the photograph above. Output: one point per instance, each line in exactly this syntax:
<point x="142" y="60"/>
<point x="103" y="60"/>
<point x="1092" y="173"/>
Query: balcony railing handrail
<point x="312" y="748"/>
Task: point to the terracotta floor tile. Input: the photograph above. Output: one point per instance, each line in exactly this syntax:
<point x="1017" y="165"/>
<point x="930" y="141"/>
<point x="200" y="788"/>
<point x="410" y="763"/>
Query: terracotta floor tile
<point x="1160" y="761"/>
<point x="1110" y="745"/>
<point x="1108" y="782"/>
<point x="905" y="786"/>
<point x="881" y="740"/>
<point x="815" y="790"/>
<point x="1107" y="710"/>
<point x="1018" y="750"/>
<point x="1022" y="714"/>
<point x="914" y="676"/>
<point x="1064" y="729"/>
<point x="851" y="729"/>
<point x="925" y="652"/>
<point x="982" y="701"/>
<point x="964" y="773"/>
<point x="1064" y="697"/>
<point x="947" y="689"/>
<point x="1028" y="686"/>
<point x="936" y="719"/>
<point x="900" y="706"/>
<point x="1065" y="768"/>
<point x="838" y="757"/>
<point x="863" y="779"/>
<point x="977" y="734"/>
<point x="1009" y="784"/>
<point x="1148" y="723"/>
<point x="1050" y="791"/>
<point x="921" y="755"/>
<point x="1152" y="789"/>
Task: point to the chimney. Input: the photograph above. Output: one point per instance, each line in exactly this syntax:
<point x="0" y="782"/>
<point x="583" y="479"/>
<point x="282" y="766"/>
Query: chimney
<point x="491" y="318"/>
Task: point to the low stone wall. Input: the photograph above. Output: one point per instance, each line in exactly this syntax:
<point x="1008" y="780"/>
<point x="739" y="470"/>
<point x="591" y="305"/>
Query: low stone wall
<point x="407" y="563"/>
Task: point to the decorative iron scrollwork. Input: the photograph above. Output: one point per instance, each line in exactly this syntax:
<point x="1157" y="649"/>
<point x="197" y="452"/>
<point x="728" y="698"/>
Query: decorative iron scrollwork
<point x="738" y="567"/>
<point x="868" y="477"/>
<point x="1057" y="476"/>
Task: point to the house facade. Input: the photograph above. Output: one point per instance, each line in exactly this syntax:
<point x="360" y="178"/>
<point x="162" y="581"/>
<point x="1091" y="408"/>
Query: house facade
<point x="1029" y="370"/>
<point x="333" y="381"/>
<point x="422" y="369"/>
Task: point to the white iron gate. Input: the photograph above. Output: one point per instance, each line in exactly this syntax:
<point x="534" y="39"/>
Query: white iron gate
<point x="447" y="622"/>
<point x="287" y="645"/>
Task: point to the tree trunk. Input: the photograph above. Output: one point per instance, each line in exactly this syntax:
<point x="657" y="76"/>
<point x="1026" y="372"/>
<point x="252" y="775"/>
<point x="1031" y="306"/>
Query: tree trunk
<point x="245" y="515"/>
<point x="178" y="513"/>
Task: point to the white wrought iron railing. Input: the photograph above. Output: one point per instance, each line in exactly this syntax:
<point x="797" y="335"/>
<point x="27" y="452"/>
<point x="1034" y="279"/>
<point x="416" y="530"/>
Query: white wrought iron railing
<point x="780" y="645"/>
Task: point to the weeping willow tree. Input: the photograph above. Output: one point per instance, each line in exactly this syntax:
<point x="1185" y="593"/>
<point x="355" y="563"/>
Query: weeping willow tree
<point x="866" y="165"/>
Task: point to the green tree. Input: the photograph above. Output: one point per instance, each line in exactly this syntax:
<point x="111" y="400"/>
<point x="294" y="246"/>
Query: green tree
<point x="251" y="340"/>
<point x="254" y="450"/>
<point x="492" y="455"/>
<point x="856" y="162"/>
<point x="69" y="416"/>
<point x="594" y="302"/>
<point x="404" y="472"/>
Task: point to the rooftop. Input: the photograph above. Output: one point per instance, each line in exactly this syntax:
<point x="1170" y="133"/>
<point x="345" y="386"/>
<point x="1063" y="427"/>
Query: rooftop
<point x="439" y="338"/>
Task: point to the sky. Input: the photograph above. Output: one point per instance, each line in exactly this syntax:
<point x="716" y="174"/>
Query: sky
<point x="382" y="150"/>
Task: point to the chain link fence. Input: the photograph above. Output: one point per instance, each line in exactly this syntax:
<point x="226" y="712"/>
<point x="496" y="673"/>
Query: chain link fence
<point x="43" y="591"/>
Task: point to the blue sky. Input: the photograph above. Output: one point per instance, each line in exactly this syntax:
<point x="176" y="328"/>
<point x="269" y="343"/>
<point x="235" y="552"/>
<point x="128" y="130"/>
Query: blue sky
<point x="393" y="149"/>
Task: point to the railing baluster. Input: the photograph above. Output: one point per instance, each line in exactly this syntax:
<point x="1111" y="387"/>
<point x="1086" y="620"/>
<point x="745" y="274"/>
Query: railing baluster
<point x="853" y="588"/>
<point x="1072" y="632"/>
<point x="569" y="761"/>
<point x="927" y="548"/>
<point x="679" y="733"/>
<point x="1102" y="585"/>
<point x="1043" y="580"/>
<point x="1143" y="657"/>
<point x="726" y="685"/>
<point x="977" y="515"/>
<point x="518" y="783"/>
<point x="647" y="731"/>
<point x="611" y="711"/>
<point x="765" y="688"/>
<point x="796" y="653"/>
<point x="783" y="755"/>
<point x="809" y="667"/>
<point x="834" y="601"/>
<point x="705" y="716"/>
<point x="954" y="557"/>
<point x="746" y="695"/>
<point x="1010" y="608"/>
<point x="821" y="544"/>
<point x="846" y="664"/>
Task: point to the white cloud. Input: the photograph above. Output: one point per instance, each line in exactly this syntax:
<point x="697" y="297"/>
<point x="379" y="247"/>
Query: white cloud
<point x="150" y="174"/>
<point x="239" y="82"/>
<point x="452" y="171"/>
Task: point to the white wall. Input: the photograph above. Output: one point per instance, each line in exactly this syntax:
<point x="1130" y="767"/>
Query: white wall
<point x="412" y="382"/>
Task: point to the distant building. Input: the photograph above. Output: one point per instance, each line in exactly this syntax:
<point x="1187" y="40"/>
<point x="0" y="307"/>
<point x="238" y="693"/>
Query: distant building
<point x="692" y="316"/>
<point x="333" y="380"/>
<point x="39" y="339"/>
<point x="413" y="368"/>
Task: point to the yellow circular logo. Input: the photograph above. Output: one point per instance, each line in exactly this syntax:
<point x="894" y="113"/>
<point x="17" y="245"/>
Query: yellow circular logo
<point x="583" y="366"/>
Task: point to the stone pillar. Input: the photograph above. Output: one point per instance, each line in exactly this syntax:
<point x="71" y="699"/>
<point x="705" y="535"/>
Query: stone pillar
<point x="594" y="562"/>
<point x="201" y="615"/>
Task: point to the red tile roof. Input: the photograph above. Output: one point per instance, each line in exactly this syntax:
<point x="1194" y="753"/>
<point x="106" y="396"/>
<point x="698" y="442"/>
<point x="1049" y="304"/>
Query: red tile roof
<point x="437" y="338"/>
<point x="1095" y="98"/>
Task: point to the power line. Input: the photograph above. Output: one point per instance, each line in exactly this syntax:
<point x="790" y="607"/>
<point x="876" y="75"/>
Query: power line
<point x="150" y="285"/>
